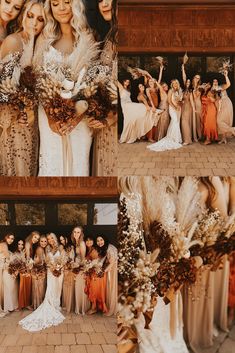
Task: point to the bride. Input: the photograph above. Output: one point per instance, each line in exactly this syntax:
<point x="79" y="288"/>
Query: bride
<point x="173" y="139"/>
<point x="48" y="313"/>
<point x="66" y="24"/>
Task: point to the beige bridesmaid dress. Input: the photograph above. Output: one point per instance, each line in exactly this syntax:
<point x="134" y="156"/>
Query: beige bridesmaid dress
<point x="187" y="118"/>
<point x="112" y="281"/>
<point x="10" y="290"/>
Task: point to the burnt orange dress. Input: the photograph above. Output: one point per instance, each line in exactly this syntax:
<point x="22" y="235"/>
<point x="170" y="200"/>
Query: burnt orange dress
<point x="231" y="297"/>
<point x="25" y="291"/>
<point x="96" y="286"/>
<point x="209" y="116"/>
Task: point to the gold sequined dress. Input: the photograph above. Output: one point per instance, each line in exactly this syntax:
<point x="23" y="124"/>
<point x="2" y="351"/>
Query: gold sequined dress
<point x="105" y="140"/>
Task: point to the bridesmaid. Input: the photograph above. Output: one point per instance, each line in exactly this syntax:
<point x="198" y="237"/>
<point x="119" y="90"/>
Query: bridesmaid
<point x="110" y="251"/>
<point x="152" y="94"/>
<point x="209" y="115"/>
<point x="231" y="298"/>
<point x="8" y="284"/>
<point x="197" y="132"/>
<point x="96" y="286"/>
<point x="9" y="12"/>
<point x="19" y="132"/>
<point x="105" y="138"/>
<point x="225" y="110"/>
<point x="81" y="301"/>
<point x="164" y="105"/>
<point x="68" y="291"/>
<point x="188" y="110"/>
<point x="200" y="308"/>
<point x="39" y="284"/>
<point x="26" y="280"/>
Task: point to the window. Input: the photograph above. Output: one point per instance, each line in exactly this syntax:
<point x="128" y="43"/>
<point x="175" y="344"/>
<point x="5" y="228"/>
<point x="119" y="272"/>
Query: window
<point x="71" y="214"/>
<point x="30" y="214"/>
<point x="105" y="213"/>
<point x="4" y="214"/>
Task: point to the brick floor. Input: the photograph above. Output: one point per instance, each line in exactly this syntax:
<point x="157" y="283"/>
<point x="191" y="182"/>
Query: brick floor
<point x="195" y="159"/>
<point x="77" y="334"/>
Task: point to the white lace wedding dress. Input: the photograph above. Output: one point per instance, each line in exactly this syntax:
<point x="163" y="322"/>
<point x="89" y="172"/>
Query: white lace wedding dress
<point x="173" y="139"/>
<point x="54" y="149"/>
<point x="158" y="338"/>
<point x="48" y="313"/>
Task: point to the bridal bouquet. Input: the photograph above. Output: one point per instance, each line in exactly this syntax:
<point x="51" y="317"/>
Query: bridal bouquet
<point x="93" y="267"/>
<point x="39" y="271"/>
<point x="78" y="85"/>
<point x="17" y="85"/>
<point x="56" y="265"/>
<point x="19" y="265"/>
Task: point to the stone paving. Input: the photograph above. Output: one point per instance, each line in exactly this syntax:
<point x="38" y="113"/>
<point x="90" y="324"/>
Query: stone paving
<point x="224" y="343"/>
<point x="77" y="334"/>
<point x="196" y="159"/>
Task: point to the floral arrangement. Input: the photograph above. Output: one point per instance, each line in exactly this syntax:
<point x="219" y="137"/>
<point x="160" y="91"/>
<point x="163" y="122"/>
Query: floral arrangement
<point x="16" y="86"/>
<point x="57" y="264"/>
<point x="78" y="85"/>
<point x="136" y="267"/>
<point x="39" y="271"/>
<point x="226" y="66"/>
<point x="19" y="265"/>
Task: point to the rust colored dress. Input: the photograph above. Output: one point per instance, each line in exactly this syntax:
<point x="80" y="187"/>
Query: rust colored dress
<point x="231" y="298"/>
<point x="96" y="286"/>
<point x="209" y="115"/>
<point x="25" y="291"/>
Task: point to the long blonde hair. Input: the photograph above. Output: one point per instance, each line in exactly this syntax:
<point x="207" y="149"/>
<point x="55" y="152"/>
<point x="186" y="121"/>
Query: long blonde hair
<point x="78" y="22"/>
<point x="27" y="7"/>
<point x="52" y="32"/>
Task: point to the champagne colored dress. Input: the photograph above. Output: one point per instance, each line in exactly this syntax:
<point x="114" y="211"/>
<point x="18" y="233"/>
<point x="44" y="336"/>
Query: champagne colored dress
<point x="198" y="114"/>
<point x="209" y="115"/>
<point x="82" y="304"/>
<point x="225" y="115"/>
<point x="112" y="281"/>
<point x="38" y="286"/>
<point x="137" y="120"/>
<point x="68" y="291"/>
<point x="19" y="144"/>
<point x="187" y="118"/>
<point x="10" y="288"/>
<point x="105" y="140"/>
<point x="198" y="311"/>
<point x="164" y="120"/>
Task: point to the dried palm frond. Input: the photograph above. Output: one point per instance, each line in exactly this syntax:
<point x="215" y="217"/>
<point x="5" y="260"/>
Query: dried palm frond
<point x="185" y="58"/>
<point x="86" y="51"/>
<point x="137" y="72"/>
<point x="226" y="65"/>
<point x="187" y="203"/>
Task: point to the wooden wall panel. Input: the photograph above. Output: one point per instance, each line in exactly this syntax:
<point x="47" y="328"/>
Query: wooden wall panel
<point x="170" y="28"/>
<point x="60" y="188"/>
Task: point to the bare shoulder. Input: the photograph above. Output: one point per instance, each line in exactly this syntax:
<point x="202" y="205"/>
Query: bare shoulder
<point x="11" y="44"/>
